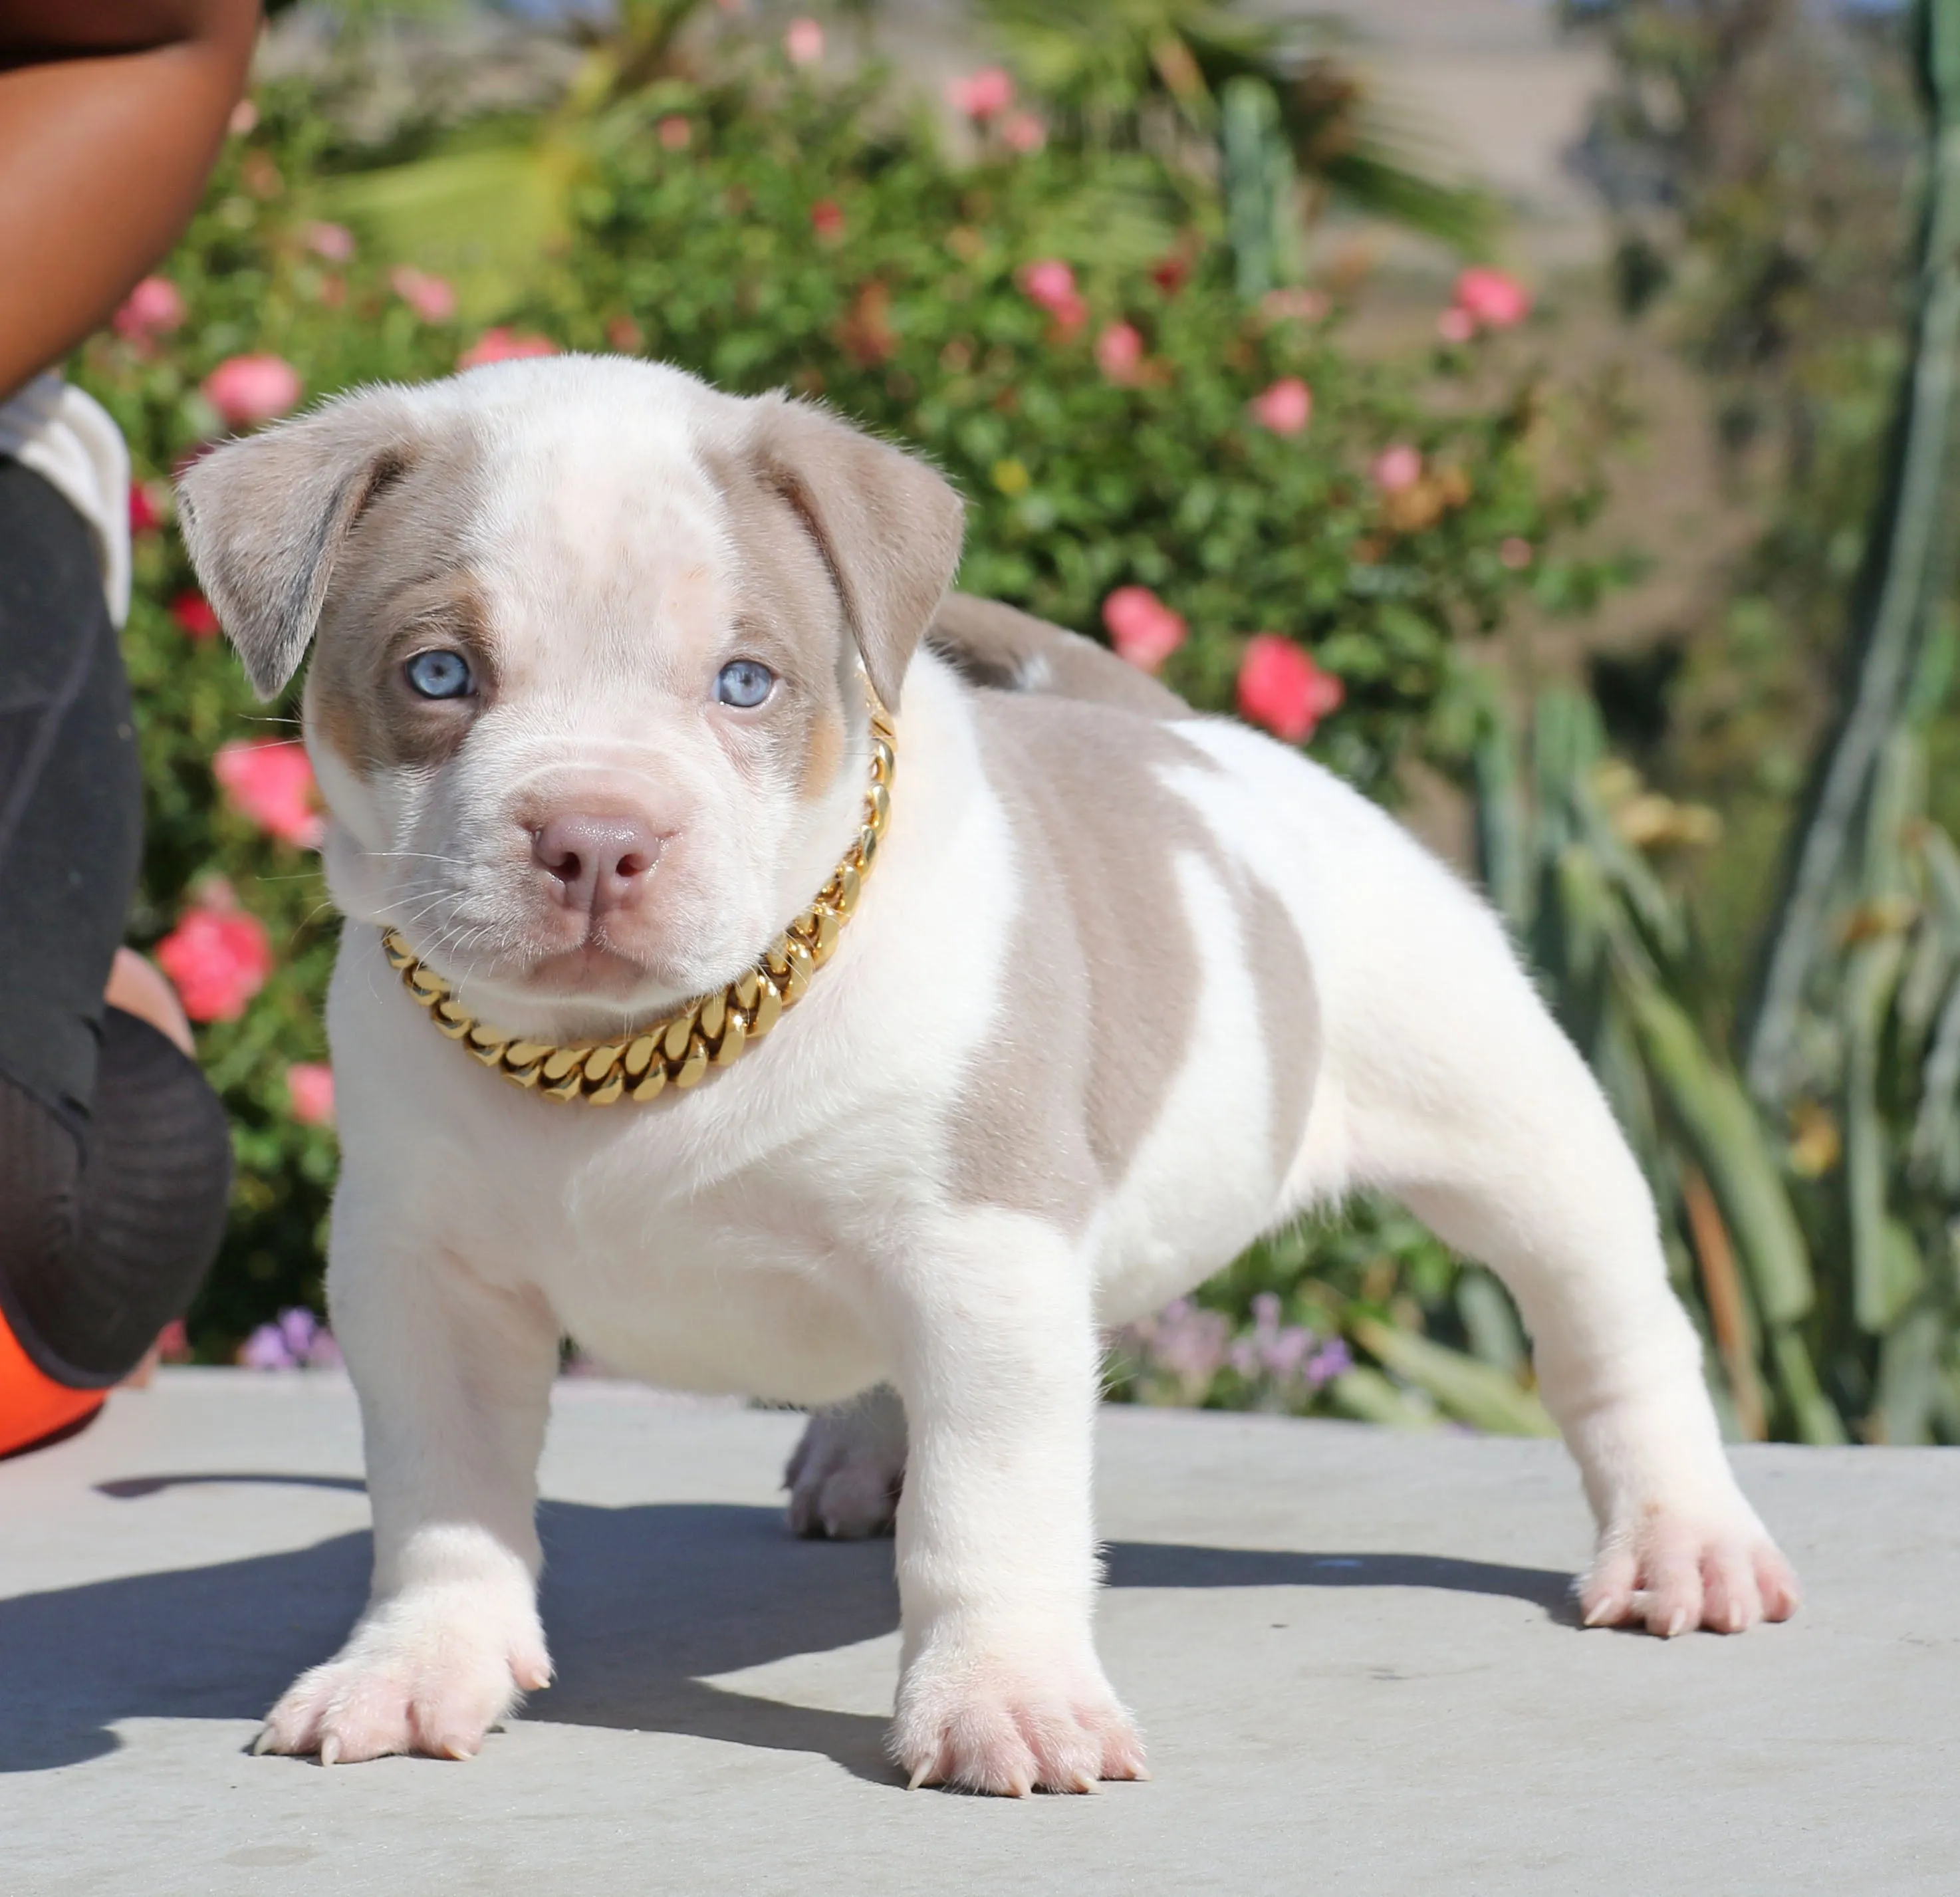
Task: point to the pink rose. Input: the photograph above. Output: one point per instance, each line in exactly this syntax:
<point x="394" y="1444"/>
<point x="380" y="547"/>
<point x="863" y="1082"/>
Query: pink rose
<point x="1397" y="467"/>
<point x="985" y="95"/>
<point x="270" y="781"/>
<point x="804" y="43"/>
<point x="1050" y="283"/>
<point x="1023" y="132"/>
<point x="676" y="133"/>
<point x="193" y="611"/>
<point x="247" y="390"/>
<point x="1280" y="687"/>
<point x="505" y="345"/>
<point x="1286" y="408"/>
<point x="826" y="219"/>
<point x="154" y="308"/>
<point x="1492" y="299"/>
<point x="1141" y="627"/>
<point x="218" y="956"/>
<point x="429" y="298"/>
<point x="334" y="242"/>
<point x="1119" y="352"/>
<point x="310" y="1088"/>
<point x="145" y="516"/>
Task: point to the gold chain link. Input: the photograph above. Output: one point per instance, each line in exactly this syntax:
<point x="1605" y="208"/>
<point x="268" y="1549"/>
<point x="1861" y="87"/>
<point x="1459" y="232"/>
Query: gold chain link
<point x="676" y="1052"/>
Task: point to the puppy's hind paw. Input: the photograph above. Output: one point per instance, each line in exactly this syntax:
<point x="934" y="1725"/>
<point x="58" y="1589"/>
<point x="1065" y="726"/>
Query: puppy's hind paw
<point x="845" y="1475"/>
<point x="1672" y="1574"/>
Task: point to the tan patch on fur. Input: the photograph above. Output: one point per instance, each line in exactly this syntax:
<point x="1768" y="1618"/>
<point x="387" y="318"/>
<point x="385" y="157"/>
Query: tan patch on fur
<point x="400" y="586"/>
<point x="1101" y="1000"/>
<point x="992" y="644"/>
<point x="792" y="620"/>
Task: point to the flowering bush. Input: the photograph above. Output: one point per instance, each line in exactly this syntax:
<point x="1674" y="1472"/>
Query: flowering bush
<point x="1219" y="488"/>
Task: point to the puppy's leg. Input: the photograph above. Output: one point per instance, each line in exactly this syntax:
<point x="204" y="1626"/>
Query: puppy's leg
<point x="455" y="1382"/>
<point x="844" y="1476"/>
<point x="1000" y="1689"/>
<point x="1463" y="1098"/>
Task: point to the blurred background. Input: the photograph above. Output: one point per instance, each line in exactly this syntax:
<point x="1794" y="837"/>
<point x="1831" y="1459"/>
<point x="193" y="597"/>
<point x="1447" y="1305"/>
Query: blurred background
<point x="1540" y="413"/>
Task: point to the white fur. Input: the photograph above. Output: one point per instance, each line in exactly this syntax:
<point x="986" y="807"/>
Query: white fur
<point x="790" y="1230"/>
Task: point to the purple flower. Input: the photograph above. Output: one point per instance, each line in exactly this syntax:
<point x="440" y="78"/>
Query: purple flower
<point x="1285" y="1351"/>
<point x="266" y="1350"/>
<point x="1333" y="1360"/>
<point x="295" y="1340"/>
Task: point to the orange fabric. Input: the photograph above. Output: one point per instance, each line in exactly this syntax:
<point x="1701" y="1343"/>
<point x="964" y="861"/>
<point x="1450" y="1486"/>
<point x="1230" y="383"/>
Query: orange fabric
<point x="32" y="1404"/>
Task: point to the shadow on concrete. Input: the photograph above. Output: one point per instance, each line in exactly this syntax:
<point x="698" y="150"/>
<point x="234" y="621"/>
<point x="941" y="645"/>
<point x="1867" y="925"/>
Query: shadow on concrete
<point x="641" y="1603"/>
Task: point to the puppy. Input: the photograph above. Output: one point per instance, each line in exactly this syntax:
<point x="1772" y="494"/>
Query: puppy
<point x="1047" y="1002"/>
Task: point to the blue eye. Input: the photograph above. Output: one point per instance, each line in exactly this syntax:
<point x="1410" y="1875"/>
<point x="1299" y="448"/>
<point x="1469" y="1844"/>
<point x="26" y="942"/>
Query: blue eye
<point x="744" y="684"/>
<point x="439" y="674"/>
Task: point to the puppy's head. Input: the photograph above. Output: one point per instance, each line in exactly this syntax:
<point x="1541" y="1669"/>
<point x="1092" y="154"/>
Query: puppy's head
<point x="585" y="705"/>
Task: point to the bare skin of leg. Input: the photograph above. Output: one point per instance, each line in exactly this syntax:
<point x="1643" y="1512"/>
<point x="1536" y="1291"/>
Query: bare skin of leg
<point x="139" y="988"/>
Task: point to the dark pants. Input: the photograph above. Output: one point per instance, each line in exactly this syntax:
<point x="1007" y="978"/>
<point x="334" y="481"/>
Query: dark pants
<point x="115" y="1159"/>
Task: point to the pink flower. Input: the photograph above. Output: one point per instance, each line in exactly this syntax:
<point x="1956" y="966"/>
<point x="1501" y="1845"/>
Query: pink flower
<point x="244" y="120"/>
<point x="1492" y="299"/>
<point x="1119" y="352"/>
<point x="985" y="95"/>
<point x="334" y="242"/>
<point x="1397" y="467"/>
<point x="505" y="345"/>
<point x="622" y="333"/>
<point x="429" y="298"/>
<point x="154" y="308"/>
<point x="193" y="611"/>
<point x="804" y="43"/>
<point x="826" y="219"/>
<point x="309" y="1089"/>
<point x="1050" y="283"/>
<point x="1280" y="687"/>
<point x="217" y="956"/>
<point x="1022" y="132"/>
<point x="1141" y="627"/>
<point x="1515" y="553"/>
<point x="270" y="781"/>
<point x="675" y="132"/>
<point x="1456" y="324"/>
<point x="247" y="390"/>
<point x="145" y="516"/>
<point x="1286" y="408"/>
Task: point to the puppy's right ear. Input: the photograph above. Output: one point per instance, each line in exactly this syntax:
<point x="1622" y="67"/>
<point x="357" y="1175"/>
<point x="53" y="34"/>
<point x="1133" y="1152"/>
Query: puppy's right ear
<point x="264" y="519"/>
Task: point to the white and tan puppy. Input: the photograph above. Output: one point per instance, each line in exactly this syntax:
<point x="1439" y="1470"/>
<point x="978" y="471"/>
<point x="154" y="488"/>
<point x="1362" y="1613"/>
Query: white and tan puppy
<point x="1130" y="987"/>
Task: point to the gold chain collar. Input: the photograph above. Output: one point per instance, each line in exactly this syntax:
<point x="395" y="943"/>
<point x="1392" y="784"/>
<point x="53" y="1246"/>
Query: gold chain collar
<point x="678" y="1050"/>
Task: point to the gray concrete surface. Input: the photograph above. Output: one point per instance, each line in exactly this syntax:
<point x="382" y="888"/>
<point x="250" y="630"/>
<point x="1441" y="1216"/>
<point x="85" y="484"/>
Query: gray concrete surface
<point x="1350" y="1649"/>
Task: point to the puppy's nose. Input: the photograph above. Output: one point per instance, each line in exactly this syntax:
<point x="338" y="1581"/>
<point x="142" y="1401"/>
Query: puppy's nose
<point x="597" y="862"/>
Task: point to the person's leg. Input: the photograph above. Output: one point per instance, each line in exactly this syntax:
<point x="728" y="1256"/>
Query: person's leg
<point x="114" y="1155"/>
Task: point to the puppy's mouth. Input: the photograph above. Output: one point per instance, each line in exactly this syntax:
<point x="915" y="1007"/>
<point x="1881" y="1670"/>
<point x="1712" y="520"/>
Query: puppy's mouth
<point x="593" y="966"/>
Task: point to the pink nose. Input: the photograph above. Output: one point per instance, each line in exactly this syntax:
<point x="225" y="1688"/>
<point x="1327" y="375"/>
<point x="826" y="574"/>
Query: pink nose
<point x="596" y="863"/>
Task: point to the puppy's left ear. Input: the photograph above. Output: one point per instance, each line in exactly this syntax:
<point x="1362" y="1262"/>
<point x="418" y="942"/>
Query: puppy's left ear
<point x="888" y="526"/>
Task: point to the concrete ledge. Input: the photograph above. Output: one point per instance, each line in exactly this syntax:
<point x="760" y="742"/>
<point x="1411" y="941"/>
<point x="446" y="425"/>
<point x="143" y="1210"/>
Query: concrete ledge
<point x="1350" y="1649"/>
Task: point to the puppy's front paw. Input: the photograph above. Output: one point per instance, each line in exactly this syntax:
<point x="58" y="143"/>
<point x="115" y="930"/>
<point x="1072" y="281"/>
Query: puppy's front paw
<point x="429" y="1673"/>
<point x="1673" y="1570"/>
<point x="988" y="1724"/>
